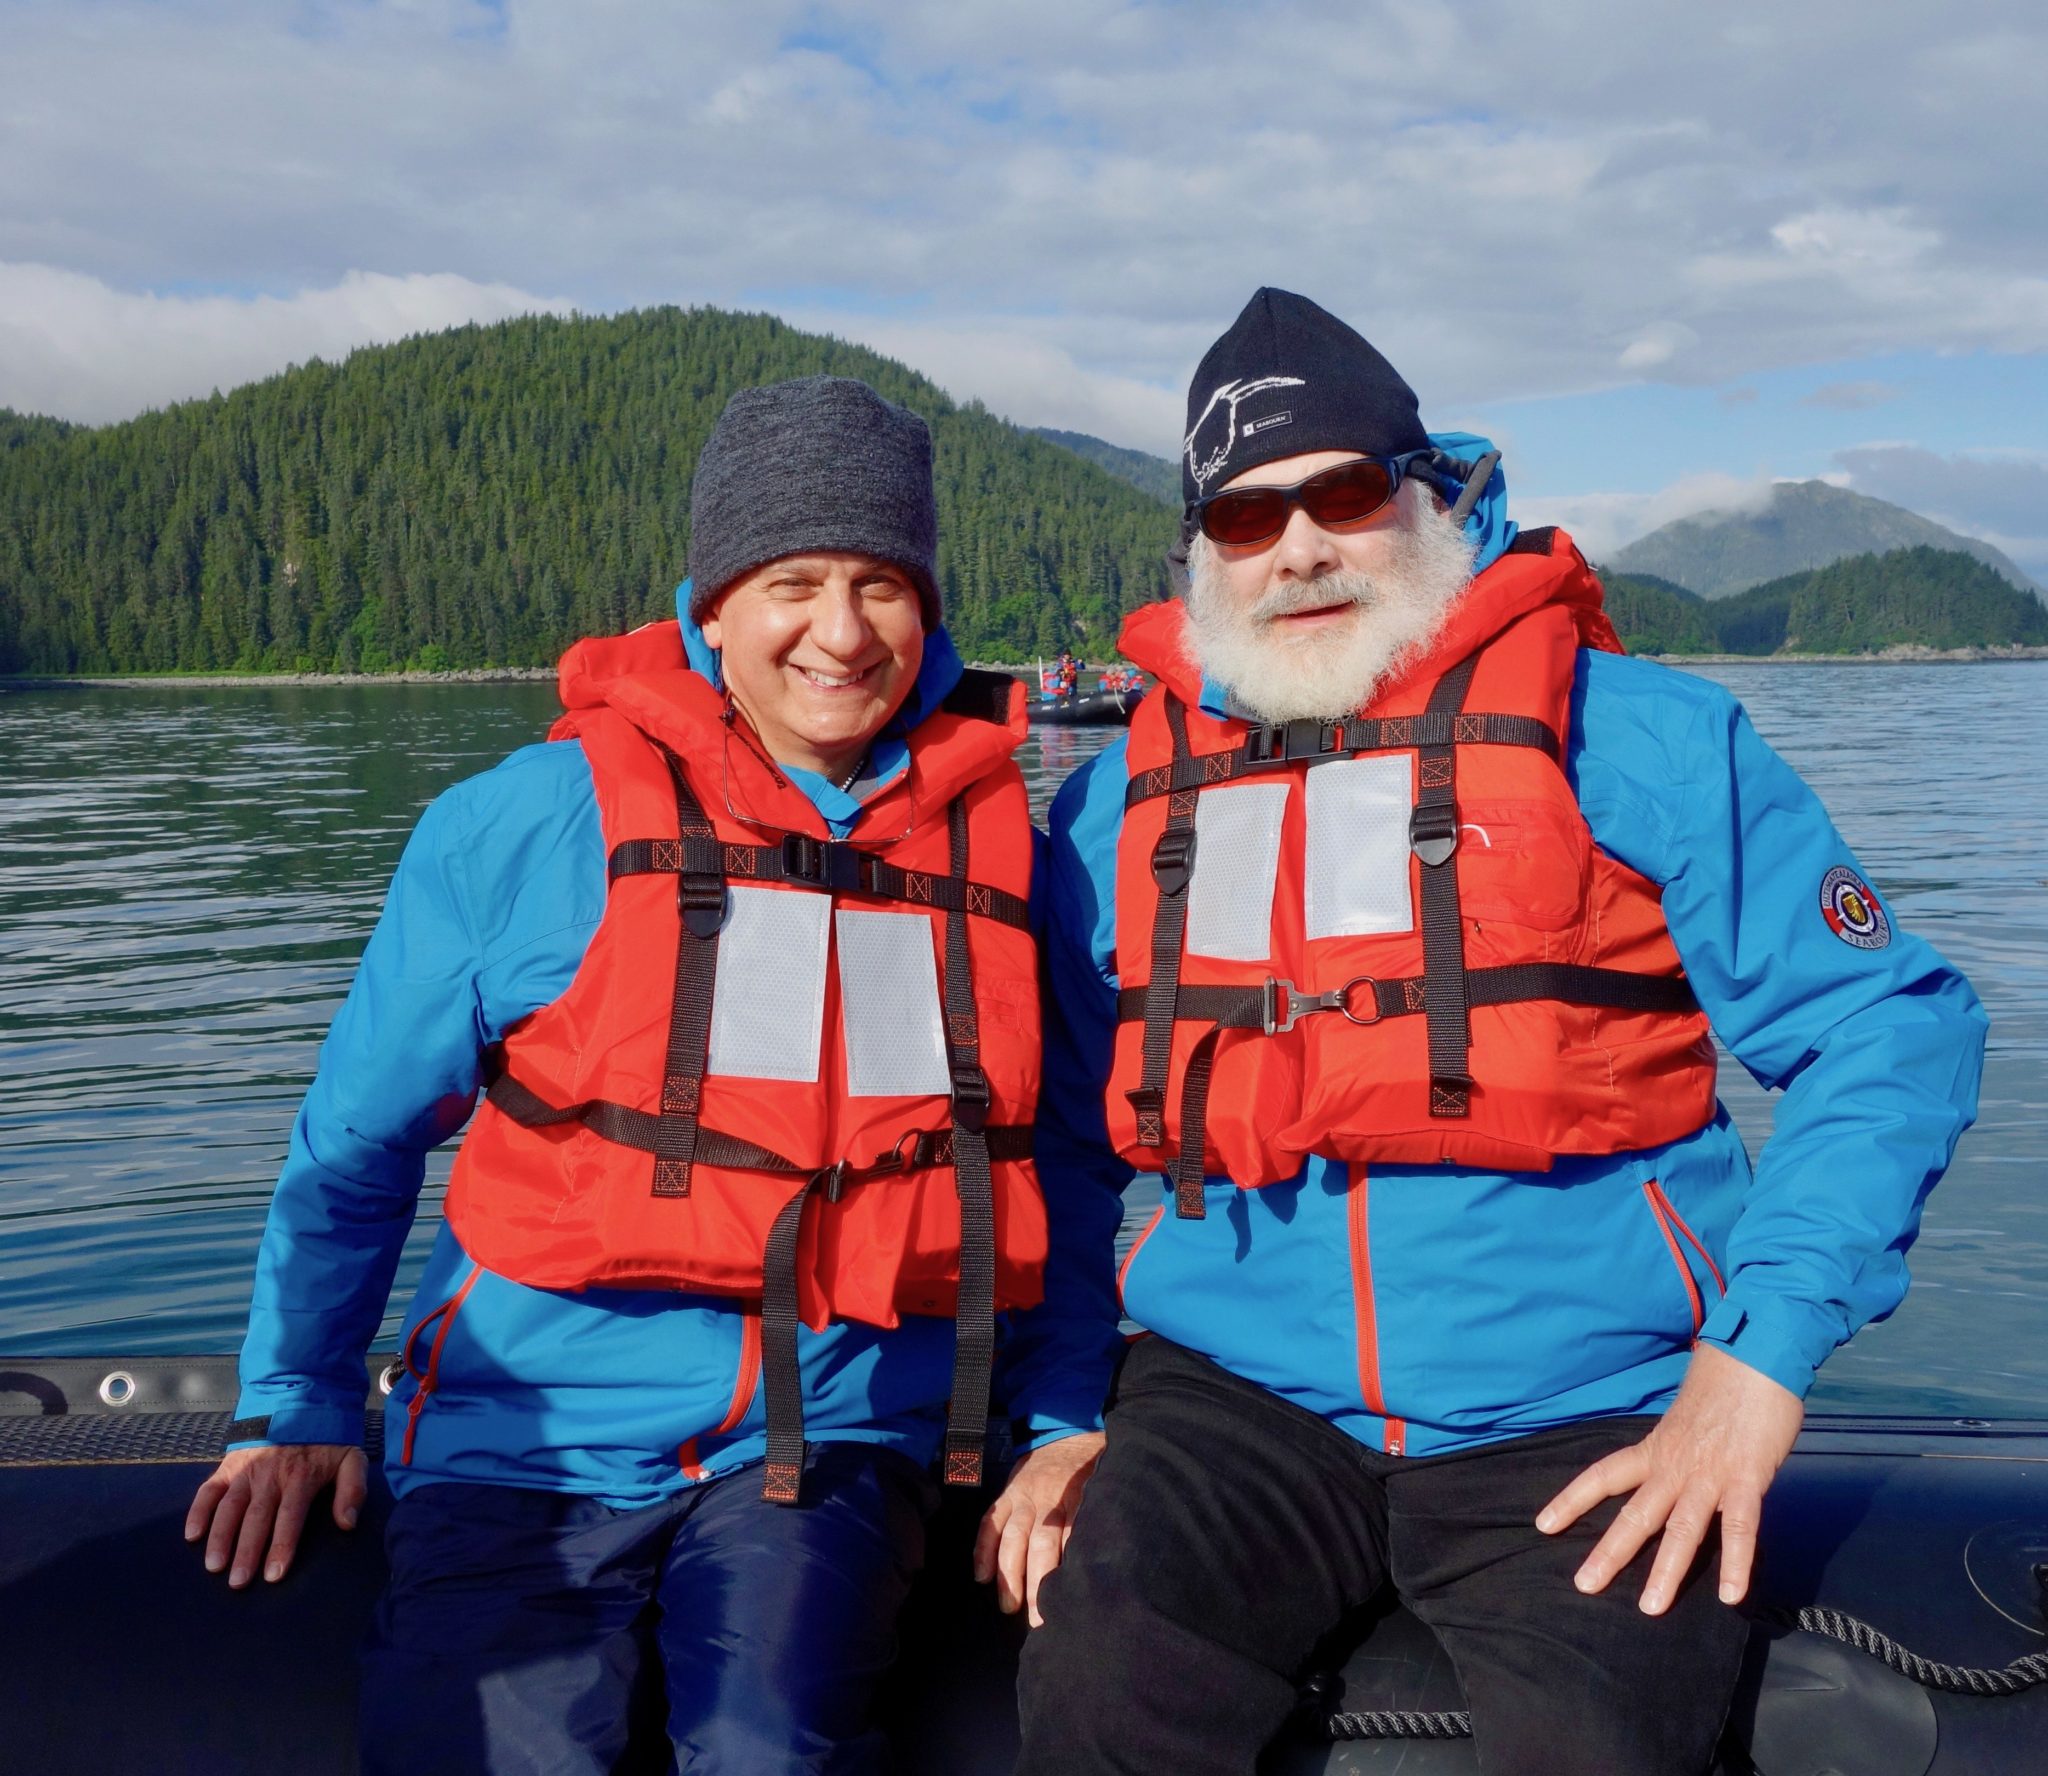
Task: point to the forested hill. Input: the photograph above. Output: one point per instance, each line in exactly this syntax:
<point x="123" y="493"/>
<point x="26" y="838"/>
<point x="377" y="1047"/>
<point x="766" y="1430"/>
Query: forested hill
<point x="486" y="495"/>
<point x="1148" y="473"/>
<point x="1909" y="597"/>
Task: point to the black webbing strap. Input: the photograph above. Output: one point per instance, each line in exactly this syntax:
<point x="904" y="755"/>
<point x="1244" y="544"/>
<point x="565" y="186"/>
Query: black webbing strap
<point x="635" y="1128"/>
<point x="1609" y="989"/>
<point x="1173" y="867"/>
<point x="828" y="865"/>
<point x="781" y="1378"/>
<point x="1433" y="836"/>
<point x="1317" y="742"/>
<point x="974" y="1314"/>
<point x="700" y="899"/>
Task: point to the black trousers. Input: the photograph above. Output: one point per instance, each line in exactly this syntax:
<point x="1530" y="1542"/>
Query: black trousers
<point x="1227" y="1532"/>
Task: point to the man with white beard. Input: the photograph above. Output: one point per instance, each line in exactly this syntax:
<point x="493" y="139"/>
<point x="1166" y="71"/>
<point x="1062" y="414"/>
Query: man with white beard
<point x="1390" y="944"/>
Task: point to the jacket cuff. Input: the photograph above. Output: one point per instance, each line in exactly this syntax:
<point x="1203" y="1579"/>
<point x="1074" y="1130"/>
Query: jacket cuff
<point x="257" y="1423"/>
<point x="1786" y="1340"/>
<point x="1033" y="1430"/>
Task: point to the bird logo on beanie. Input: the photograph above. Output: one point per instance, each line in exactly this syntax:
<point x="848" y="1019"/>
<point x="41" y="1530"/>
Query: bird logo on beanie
<point x="1209" y="441"/>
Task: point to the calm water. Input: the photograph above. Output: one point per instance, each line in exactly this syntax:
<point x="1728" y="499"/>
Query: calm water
<point x="187" y="877"/>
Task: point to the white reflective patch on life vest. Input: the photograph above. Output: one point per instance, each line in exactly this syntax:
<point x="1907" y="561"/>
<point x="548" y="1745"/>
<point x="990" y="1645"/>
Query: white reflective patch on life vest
<point x="768" y="1010"/>
<point x="1355" y="879"/>
<point x="889" y="998"/>
<point x="1237" y="860"/>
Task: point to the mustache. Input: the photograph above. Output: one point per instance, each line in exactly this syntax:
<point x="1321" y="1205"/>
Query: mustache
<point x="1319" y="594"/>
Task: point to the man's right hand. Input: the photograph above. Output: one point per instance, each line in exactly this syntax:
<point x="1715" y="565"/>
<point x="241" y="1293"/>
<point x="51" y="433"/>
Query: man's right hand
<point x="259" y="1498"/>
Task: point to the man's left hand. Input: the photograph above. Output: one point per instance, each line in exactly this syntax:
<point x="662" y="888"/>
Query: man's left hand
<point x="1024" y="1533"/>
<point x="1716" y="1451"/>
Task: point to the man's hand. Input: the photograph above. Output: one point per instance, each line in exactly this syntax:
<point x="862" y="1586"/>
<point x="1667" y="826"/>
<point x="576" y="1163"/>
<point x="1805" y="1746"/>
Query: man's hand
<point x="1024" y="1533"/>
<point x="1716" y="1450"/>
<point x="261" y="1495"/>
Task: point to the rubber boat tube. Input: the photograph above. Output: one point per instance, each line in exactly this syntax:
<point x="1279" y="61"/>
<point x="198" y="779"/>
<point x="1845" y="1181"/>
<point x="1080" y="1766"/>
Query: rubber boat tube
<point x="1096" y="710"/>
<point x="117" y="1651"/>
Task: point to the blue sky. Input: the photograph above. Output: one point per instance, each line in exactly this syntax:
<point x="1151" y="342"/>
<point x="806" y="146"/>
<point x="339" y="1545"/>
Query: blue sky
<point x="1664" y="253"/>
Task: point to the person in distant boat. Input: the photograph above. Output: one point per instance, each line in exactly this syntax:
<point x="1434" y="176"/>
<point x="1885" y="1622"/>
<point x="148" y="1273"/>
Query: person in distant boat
<point x="743" y="964"/>
<point x="1390" y="943"/>
<point x="1066" y="676"/>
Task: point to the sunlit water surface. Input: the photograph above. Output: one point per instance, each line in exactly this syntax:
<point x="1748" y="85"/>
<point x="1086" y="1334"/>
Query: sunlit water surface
<point x="187" y="878"/>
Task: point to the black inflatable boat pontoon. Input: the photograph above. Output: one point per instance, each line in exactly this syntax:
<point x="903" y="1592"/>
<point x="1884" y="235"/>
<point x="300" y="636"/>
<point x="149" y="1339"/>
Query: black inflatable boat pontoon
<point x="117" y="1652"/>
<point x="1099" y="709"/>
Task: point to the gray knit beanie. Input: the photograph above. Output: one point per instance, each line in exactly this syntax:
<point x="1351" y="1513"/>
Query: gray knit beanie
<point x="818" y="463"/>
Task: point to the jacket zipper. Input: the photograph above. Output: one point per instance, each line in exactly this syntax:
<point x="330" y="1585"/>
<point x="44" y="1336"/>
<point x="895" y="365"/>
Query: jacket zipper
<point x="744" y="1385"/>
<point x="1672" y="1228"/>
<point x="430" y="1379"/>
<point x="1137" y="1245"/>
<point x="1366" y="1321"/>
<point x="1692" y="1239"/>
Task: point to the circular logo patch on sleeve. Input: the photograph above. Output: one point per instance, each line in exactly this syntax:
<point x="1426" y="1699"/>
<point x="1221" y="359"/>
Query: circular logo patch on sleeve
<point x="1851" y="910"/>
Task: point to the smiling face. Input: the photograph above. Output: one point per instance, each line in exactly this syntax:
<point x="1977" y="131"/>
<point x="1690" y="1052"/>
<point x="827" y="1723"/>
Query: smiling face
<point x="1308" y="622"/>
<point x="819" y="651"/>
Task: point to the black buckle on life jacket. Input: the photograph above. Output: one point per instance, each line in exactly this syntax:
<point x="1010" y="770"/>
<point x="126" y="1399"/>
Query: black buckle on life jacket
<point x="1173" y="859"/>
<point x="701" y="898"/>
<point x="971" y="1097"/>
<point x="830" y="1182"/>
<point x="1280" y="743"/>
<point x="824" y="863"/>
<point x="1433" y="832"/>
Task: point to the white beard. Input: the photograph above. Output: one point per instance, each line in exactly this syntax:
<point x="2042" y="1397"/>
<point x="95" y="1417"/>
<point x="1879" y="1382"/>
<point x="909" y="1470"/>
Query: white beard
<point x="1278" y="677"/>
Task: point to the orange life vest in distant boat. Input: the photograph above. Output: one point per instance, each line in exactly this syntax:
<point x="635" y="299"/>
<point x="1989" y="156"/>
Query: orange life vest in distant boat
<point x="788" y="1068"/>
<point x="1391" y="937"/>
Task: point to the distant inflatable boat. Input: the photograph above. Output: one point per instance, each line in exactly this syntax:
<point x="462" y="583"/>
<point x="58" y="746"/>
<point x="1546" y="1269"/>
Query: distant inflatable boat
<point x="1895" y="1541"/>
<point x="1096" y="710"/>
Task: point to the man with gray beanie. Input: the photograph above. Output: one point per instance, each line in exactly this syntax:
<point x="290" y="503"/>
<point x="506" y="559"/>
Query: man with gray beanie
<point x="741" y="964"/>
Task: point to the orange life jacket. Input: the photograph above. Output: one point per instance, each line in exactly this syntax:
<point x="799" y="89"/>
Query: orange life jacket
<point x="1391" y="937"/>
<point x="788" y="1068"/>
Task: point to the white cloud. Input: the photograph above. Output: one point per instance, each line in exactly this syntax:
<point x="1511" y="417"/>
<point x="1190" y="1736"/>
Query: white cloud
<point x="1511" y="201"/>
<point x="73" y="346"/>
<point x="1601" y="523"/>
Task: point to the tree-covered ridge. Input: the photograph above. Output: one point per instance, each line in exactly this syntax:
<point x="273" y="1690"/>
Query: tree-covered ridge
<point x="486" y="495"/>
<point x="1150" y="474"/>
<point x="17" y="429"/>
<point x="1919" y="597"/>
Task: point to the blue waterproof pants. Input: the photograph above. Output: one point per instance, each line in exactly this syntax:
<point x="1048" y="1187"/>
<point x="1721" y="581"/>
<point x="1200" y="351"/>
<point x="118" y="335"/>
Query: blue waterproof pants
<point x="538" y="1631"/>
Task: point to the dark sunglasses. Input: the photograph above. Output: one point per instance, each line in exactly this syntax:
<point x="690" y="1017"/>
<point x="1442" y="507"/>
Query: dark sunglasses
<point x="1241" y="516"/>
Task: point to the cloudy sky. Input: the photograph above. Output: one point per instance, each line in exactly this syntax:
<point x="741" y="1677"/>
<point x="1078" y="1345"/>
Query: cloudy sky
<point x="1663" y="253"/>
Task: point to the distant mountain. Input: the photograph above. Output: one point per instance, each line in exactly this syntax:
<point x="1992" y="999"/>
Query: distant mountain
<point x="1148" y="473"/>
<point x="486" y="495"/>
<point x="1907" y="598"/>
<point x="1807" y="525"/>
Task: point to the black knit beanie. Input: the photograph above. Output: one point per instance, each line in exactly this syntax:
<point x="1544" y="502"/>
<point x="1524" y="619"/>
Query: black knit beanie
<point x="1286" y="379"/>
<point x="818" y="463"/>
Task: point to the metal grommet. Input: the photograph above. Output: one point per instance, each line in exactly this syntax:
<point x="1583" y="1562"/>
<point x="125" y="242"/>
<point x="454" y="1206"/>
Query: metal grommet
<point x="117" y="1388"/>
<point x="387" y="1377"/>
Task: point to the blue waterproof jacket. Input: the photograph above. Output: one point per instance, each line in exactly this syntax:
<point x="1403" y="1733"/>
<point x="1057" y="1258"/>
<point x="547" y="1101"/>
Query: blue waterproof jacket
<point x="1492" y="1304"/>
<point x="616" y="1394"/>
